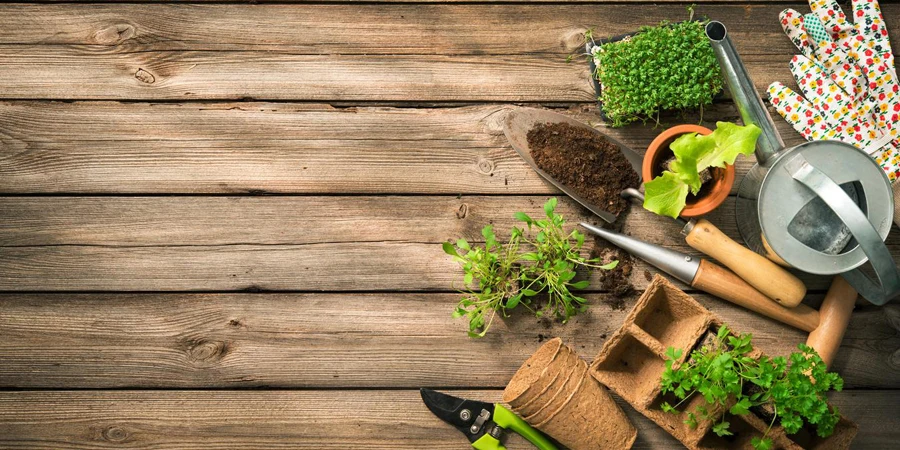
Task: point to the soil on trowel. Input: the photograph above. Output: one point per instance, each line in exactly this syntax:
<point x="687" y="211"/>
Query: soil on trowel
<point x="585" y="161"/>
<point x="616" y="281"/>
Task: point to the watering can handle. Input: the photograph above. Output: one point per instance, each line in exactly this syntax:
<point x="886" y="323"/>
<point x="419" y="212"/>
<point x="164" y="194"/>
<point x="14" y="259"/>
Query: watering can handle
<point x="866" y="235"/>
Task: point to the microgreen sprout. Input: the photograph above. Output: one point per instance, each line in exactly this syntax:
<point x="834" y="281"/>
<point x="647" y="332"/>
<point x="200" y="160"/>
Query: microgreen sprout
<point x="667" y="67"/>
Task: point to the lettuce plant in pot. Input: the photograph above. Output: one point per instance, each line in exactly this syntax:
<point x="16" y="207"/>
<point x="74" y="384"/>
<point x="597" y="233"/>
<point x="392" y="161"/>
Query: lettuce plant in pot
<point x="688" y="169"/>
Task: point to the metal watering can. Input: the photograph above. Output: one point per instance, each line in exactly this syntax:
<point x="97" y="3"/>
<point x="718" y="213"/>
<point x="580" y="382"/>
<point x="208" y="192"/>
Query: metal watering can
<point x="823" y="207"/>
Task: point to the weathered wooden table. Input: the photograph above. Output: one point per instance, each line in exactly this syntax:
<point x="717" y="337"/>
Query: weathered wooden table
<point x="221" y="223"/>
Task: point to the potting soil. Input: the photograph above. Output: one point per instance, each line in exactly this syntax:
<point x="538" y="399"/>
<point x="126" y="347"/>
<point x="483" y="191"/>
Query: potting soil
<point x="586" y="162"/>
<point x="616" y="281"/>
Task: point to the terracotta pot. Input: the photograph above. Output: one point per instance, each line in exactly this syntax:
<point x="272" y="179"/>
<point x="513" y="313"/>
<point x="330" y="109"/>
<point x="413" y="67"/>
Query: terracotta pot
<point x="713" y="192"/>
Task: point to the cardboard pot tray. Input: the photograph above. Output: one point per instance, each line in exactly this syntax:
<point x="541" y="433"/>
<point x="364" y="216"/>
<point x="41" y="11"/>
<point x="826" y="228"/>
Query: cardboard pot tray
<point x="557" y="393"/>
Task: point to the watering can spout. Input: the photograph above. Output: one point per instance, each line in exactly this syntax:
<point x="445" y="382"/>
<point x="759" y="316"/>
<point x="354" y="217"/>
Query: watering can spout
<point x="738" y="81"/>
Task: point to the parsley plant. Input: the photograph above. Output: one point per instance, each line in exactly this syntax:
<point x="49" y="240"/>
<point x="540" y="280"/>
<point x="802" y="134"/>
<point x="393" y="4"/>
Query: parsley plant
<point x="794" y="388"/>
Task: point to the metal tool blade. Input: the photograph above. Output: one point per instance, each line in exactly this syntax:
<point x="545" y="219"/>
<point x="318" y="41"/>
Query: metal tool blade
<point x="679" y="265"/>
<point x="471" y="417"/>
<point x="516" y="126"/>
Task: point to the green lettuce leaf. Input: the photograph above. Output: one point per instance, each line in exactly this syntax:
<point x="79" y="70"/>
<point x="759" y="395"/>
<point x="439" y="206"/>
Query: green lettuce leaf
<point x="665" y="195"/>
<point x="688" y="150"/>
<point x="731" y="140"/>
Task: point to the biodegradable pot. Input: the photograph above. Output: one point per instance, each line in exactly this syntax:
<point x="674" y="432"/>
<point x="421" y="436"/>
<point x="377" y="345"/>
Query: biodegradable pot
<point x="557" y="372"/>
<point x="528" y="382"/>
<point x="632" y="361"/>
<point x="589" y="420"/>
<point x="713" y="192"/>
<point x="564" y="401"/>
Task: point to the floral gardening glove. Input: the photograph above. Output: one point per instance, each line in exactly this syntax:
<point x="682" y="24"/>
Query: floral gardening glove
<point x="847" y="74"/>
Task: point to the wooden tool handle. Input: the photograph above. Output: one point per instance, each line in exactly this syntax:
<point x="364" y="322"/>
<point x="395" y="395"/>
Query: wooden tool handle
<point x="773" y="281"/>
<point x="834" y="318"/>
<point x="724" y="284"/>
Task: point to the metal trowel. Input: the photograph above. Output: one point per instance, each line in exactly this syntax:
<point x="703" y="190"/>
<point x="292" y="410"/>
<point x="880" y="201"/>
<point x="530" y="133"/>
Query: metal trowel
<point x="765" y="276"/>
<point x="521" y="120"/>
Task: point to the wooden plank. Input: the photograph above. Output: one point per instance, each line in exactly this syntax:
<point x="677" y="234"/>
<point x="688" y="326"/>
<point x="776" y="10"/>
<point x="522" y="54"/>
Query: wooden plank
<point x="62" y="72"/>
<point x="473" y="29"/>
<point x="334" y="69"/>
<point x="637" y="3"/>
<point x="306" y="420"/>
<point x="108" y="147"/>
<point x="273" y="220"/>
<point x="149" y="222"/>
<point x="224" y="244"/>
<point x="339" y="340"/>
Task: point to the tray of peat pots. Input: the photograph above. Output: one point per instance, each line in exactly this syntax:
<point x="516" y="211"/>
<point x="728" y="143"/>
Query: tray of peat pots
<point x="554" y="392"/>
<point x="682" y="367"/>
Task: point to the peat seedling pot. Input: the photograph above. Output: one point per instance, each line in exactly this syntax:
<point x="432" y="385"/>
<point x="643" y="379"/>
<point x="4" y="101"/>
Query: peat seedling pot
<point x="713" y="192"/>
<point x="632" y="361"/>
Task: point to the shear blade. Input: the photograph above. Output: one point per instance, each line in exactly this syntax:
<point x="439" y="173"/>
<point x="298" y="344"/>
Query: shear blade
<point x="460" y="413"/>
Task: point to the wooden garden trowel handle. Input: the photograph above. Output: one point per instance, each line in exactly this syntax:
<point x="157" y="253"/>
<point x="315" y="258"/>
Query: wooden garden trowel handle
<point x="724" y="284"/>
<point x="834" y="316"/>
<point x="775" y="282"/>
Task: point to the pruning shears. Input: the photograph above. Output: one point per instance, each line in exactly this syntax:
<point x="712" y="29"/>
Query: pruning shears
<point x="483" y="423"/>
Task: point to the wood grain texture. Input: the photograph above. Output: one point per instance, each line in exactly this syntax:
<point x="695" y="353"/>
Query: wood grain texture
<point x="307" y="420"/>
<point x="69" y="72"/>
<point x="238" y="148"/>
<point x="340" y="340"/>
<point x="268" y="243"/>
<point x="272" y="220"/>
<point x="351" y="360"/>
<point x="109" y="53"/>
<point x="473" y="29"/>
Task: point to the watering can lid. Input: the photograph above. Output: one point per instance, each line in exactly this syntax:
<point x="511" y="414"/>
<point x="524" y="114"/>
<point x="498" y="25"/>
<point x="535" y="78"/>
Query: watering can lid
<point x="782" y="197"/>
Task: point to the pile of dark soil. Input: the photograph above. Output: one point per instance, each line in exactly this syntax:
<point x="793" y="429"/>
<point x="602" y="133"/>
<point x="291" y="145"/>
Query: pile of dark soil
<point x="616" y="281"/>
<point x="584" y="161"/>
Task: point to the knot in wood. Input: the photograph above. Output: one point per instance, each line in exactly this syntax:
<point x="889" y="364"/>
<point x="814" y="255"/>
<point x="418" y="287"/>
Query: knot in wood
<point x="463" y="211"/>
<point x="115" y="434"/>
<point x="485" y="166"/>
<point x="207" y="351"/>
<point x="144" y="76"/>
<point x="573" y="40"/>
<point x="114" y="34"/>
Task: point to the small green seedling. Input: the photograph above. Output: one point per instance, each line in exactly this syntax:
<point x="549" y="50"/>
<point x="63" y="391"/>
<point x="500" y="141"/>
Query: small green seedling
<point x="794" y="388"/>
<point x="492" y="278"/>
<point x="499" y="277"/>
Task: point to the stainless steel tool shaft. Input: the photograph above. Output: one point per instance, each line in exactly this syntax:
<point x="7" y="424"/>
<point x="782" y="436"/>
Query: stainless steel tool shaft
<point x="711" y="278"/>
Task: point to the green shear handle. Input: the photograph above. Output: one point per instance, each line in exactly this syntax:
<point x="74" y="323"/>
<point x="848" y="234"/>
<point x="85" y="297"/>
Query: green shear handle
<point x="506" y="419"/>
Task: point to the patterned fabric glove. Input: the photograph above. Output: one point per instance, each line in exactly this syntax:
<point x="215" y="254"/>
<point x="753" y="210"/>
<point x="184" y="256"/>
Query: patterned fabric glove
<point x="848" y="77"/>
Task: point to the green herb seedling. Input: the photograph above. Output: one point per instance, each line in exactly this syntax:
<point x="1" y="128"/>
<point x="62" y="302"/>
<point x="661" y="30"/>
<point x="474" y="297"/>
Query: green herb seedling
<point x="554" y="262"/>
<point x="492" y="275"/>
<point x="794" y="388"/>
<point x="666" y="194"/>
<point x="500" y="277"/>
